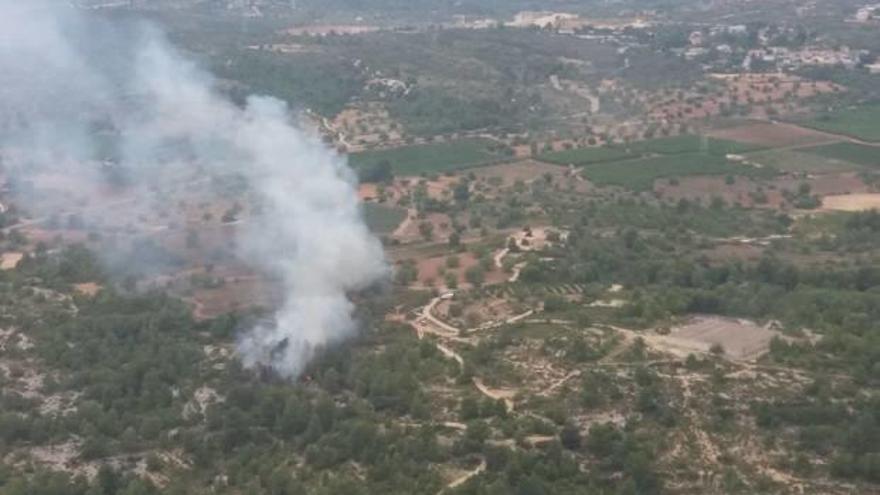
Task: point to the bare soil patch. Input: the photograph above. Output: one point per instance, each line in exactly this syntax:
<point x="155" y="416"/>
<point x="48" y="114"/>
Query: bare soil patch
<point x="741" y="340"/>
<point x="851" y="202"/>
<point x="88" y="288"/>
<point x="772" y="134"/>
<point x="10" y="260"/>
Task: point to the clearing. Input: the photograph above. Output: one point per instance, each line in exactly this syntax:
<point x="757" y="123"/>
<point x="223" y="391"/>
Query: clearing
<point x="10" y="260"/>
<point x="740" y="340"/>
<point x="851" y="202"/>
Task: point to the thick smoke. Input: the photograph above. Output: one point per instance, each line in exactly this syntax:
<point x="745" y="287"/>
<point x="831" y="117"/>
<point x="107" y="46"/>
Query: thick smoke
<point x="62" y="76"/>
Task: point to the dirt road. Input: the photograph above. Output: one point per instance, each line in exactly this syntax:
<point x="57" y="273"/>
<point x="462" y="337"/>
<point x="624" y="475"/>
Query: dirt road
<point x="465" y="477"/>
<point x="428" y="323"/>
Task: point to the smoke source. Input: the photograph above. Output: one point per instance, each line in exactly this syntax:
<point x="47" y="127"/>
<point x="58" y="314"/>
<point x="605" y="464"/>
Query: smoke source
<point x="62" y="75"/>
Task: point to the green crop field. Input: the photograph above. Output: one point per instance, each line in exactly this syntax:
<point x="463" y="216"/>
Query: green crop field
<point x="798" y="161"/>
<point x="639" y="175"/>
<point x="667" y="146"/>
<point x="429" y="158"/>
<point x="859" y="154"/>
<point x="862" y="122"/>
<point x="383" y="219"/>
<point x="726" y="147"/>
<point x="585" y="156"/>
<point x="676" y="145"/>
<point x="690" y="144"/>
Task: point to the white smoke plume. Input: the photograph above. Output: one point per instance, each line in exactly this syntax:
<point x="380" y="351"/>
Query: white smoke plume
<point x="310" y="234"/>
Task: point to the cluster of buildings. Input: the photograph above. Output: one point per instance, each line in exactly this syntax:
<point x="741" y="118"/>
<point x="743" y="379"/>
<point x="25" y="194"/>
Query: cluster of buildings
<point x="733" y="47"/>
<point x="385" y="87"/>
<point x="788" y="59"/>
<point x="566" y="23"/>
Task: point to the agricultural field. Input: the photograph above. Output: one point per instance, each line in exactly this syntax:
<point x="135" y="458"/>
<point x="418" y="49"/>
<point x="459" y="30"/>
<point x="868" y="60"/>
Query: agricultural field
<point x="771" y="134"/>
<point x="383" y="219"/>
<point x="639" y="175"/>
<point x="858" y="122"/>
<point x="662" y="146"/>
<point x="584" y="156"/>
<point x="859" y="154"/>
<point x="691" y="144"/>
<point x="801" y="161"/>
<point x="431" y="158"/>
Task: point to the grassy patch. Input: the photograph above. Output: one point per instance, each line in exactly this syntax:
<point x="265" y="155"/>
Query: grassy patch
<point x="430" y="158"/>
<point x="383" y="219"/>
<point x="862" y="122"/>
<point x="797" y="161"/>
<point x="639" y="175"/>
<point x="859" y="154"/>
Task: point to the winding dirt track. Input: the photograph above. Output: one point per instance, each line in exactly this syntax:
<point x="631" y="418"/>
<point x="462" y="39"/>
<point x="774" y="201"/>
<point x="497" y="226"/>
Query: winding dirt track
<point x="463" y="479"/>
<point x="427" y="323"/>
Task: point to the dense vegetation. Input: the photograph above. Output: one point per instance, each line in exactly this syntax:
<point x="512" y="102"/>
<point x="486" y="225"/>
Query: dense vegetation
<point x="135" y="365"/>
<point x="322" y="84"/>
